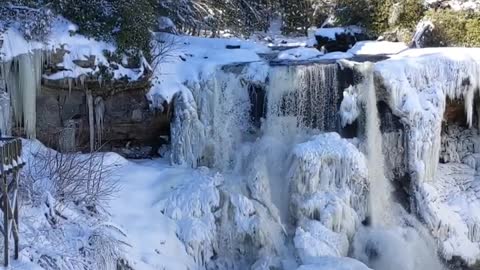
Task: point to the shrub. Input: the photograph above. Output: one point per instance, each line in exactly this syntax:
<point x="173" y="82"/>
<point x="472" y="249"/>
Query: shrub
<point x="454" y="28"/>
<point x="387" y="15"/>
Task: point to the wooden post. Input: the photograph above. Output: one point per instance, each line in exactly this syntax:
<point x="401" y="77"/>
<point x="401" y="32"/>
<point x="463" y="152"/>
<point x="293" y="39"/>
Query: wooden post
<point x="5" y="206"/>
<point x="16" y="229"/>
<point x="10" y="165"/>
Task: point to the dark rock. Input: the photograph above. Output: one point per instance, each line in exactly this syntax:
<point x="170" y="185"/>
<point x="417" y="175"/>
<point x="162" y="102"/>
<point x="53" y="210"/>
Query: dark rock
<point x="342" y="42"/>
<point x="232" y="47"/>
<point x="86" y="63"/>
<point x="455" y="112"/>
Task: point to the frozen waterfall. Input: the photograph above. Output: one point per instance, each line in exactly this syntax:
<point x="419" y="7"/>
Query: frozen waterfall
<point x="395" y="240"/>
<point x="22" y="76"/>
<point x="380" y="187"/>
<point x="303" y="96"/>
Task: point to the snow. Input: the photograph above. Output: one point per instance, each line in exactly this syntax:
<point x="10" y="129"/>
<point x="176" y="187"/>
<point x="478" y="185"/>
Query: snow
<point x="15" y="44"/>
<point x="313" y="240"/>
<point x="299" y="54"/>
<point x="457" y="5"/>
<point x="303" y="53"/>
<point x="377" y="48"/>
<point x="193" y="59"/>
<point x="59" y="233"/>
<point x="349" y="108"/>
<point x="332" y="32"/>
<point x="152" y="210"/>
<point x="418" y="82"/>
<point x="77" y="47"/>
<point x="330" y="263"/>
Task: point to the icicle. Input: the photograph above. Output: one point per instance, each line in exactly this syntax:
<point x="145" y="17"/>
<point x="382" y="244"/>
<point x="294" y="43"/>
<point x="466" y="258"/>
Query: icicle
<point x="28" y="87"/>
<point x="5" y="114"/>
<point x="70" y="84"/>
<point x="22" y="77"/>
<point x="82" y="80"/>
<point x="38" y="59"/>
<point x="91" y="119"/>
<point x="67" y="137"/>
<point x="99" y="117"/>
<point x="10" y="74"/>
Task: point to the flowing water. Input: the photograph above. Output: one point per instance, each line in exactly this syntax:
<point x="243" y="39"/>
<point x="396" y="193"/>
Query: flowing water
<point x="394" y="240"/>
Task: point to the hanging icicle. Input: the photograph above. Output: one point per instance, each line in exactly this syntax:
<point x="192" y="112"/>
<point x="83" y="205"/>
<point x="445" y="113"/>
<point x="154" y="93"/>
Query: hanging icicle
<point x="27" y="83"/>
<point x="22" y="80"/>
<point x="99" y="116"/>
<point x="5" y="114"/>
<point x="91" y="119"/>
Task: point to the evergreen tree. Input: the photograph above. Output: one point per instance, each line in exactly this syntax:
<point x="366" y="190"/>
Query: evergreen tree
<point x="296" y="15"/>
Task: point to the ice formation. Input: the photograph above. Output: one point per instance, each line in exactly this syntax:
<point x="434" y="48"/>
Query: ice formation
<point x="99" y="119"/>
<point x="5" y="114"/>
<point x="193" y="205"/>
<point x="418" y="83"/>
<point x="303" y="96"/>
<point x="213" y="113"/>
<point x="418" y="88"/>
<point x="349" y="108"/>
<point x="328" y="182"/>
<point x="22" y="76"/>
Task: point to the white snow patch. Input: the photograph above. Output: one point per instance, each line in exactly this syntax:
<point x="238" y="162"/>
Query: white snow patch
<point x="194" y="59"/>
<point x="299" y="54"/>
<point x="377" y="48"/>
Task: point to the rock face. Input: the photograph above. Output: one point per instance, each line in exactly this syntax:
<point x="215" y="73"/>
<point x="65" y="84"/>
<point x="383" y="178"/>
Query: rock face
<point x="342" y="41"/>
<point x="122" y="118"/>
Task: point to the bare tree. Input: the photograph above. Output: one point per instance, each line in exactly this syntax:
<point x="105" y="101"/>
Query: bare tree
<point x="164" y="48"/>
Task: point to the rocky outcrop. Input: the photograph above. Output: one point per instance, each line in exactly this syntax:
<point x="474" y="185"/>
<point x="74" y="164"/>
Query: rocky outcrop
<point x="342" y="41"/>
<point x="127" y="121"/>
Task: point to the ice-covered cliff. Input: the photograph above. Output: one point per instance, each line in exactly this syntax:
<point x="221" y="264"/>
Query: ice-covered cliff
<point x="418" y="84"/>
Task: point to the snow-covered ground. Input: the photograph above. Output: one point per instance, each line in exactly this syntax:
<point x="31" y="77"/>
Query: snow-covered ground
<point x="152" y="236"/>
